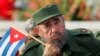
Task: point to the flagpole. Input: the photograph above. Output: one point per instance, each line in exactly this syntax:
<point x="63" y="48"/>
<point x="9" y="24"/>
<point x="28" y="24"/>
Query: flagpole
<point x="37" y="39"/>
<point x="27" y="34"/>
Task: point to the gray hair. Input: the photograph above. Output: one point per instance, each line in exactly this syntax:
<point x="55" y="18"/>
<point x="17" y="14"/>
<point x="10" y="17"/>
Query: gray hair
<point x="29" y="25"/>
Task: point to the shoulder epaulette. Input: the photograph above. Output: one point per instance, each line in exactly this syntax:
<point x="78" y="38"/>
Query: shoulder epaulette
<point x="81" y="31"/>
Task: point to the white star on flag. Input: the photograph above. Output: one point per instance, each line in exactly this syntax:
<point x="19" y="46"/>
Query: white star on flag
<point x="16" y="36"/>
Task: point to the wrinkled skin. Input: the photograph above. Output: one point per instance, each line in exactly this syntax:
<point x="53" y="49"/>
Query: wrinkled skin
<point x="52" y="32"/>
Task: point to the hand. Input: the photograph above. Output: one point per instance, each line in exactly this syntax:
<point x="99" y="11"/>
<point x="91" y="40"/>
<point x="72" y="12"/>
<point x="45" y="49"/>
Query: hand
<point x="51" y="50"/>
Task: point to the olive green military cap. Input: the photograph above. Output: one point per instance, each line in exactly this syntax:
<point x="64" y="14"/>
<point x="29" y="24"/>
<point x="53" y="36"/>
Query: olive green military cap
<point x="45" y="13"/>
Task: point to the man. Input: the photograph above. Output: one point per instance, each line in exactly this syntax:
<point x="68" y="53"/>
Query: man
<point x="50" y="28"/>
<point x="29" y="26"/>
<point x="6" y="9"/>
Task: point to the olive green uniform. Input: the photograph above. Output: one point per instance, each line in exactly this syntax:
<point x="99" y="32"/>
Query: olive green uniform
<point x="80" y="42"/>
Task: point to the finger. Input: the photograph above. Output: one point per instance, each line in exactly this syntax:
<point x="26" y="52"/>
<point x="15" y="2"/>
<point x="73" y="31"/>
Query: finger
<point x="52" y="51"/>
<point x="49" y="52"/>
<point x="55" y="51"/>
<point x="47" y="49"/>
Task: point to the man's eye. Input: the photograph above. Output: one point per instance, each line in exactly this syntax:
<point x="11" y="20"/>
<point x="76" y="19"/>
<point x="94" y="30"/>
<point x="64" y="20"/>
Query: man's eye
<point x="46" y="25"/>
<point x="56" y="22"/>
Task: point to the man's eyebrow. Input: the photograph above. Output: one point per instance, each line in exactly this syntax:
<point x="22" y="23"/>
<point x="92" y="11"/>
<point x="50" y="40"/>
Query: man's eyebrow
<point x="47" y="22"/>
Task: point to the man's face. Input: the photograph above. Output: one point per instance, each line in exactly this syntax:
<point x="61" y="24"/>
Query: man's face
<point x="52" y="29"/>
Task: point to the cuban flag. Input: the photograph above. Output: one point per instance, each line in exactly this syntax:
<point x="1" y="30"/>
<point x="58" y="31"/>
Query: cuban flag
<point x="11" y="42"/>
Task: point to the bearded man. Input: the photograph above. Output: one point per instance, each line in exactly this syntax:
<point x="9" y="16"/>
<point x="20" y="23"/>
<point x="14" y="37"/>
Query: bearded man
<point x="50" y="28"/>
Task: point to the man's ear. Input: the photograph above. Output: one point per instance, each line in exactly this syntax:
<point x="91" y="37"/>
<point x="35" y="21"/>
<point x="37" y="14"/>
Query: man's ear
<point x="36" y="30"/>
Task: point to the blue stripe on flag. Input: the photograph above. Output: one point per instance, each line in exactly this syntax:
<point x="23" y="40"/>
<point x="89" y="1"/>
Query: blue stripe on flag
<point x="6" y="49"/>
<point x="17" y="47"/>
<point x="4" y="37"/>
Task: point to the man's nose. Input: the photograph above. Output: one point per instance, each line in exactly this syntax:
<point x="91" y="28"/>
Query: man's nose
<point x="54" y="29"/>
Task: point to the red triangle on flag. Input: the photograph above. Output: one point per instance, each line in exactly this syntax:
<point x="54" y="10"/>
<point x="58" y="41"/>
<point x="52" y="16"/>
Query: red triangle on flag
<point x="15" y="35"/>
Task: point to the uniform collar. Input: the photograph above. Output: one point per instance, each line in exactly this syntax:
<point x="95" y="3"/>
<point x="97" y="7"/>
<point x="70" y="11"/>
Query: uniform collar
<point x="72" y="43"/>
<point x="31" y="45"/>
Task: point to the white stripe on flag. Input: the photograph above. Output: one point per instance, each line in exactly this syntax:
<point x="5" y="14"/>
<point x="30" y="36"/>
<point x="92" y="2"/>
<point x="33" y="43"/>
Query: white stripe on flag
<point x="4" y="45"/>
<point x="12" y="48"/>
